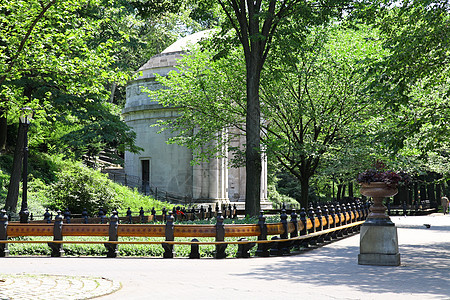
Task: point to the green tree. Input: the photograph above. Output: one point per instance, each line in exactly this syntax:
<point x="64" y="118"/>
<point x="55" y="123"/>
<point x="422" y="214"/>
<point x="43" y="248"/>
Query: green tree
<point x="313" y="100"/>
<point x="50" y="61"/>
<point x="417" y="33"/>
<point x="255" y="24"/>
<point x="412" y="80"/>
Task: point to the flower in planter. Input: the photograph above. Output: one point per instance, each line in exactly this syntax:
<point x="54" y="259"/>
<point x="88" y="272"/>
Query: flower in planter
<point x="380" y="174"/>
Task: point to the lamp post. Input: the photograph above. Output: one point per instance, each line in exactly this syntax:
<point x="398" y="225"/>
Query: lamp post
<point x="25" y="119"/>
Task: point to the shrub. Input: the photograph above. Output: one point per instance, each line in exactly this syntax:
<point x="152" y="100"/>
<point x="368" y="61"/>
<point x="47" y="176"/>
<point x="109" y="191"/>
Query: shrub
<point x="134" y="200"/>
<point x="278" y="199"/>
<point x="4" y="182"/>
<point x="80" y="187"/>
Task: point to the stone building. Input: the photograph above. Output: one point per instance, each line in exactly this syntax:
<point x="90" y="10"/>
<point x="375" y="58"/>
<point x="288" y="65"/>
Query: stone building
<point x="167" y="167"/>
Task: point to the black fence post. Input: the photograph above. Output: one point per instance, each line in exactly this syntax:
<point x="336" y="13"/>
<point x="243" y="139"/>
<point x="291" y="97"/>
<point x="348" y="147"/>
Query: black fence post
<point x="294" y="221"/>
<point x="337" y="209"/>
<point x="352" y="219"/>
<point x="220" y="237"/>
<point x="303" y="231"/>
<point x="358" y="210"/>
<point x="294" y="234"/>
<point x="340" y="222"/>
<point x="262" y="250"/>
<point x="333" y="216"/>
<point x="193" y="213"/>
<point x="312" y="241"/>
<point x="101" y="215"/>
<point x="243" y="249"/>
<point x="153" y="212"/>
<point x="164" y="214"/>
<point x="224" y="211"/>
<point x="345" y="211"/>
<point x="85" y="216"/>
<point x="202" y="212"/>
<point x="113" y="235"/>
<point x="67" y="215"/>
<point x="326" y="214"/>
<point x="353" y="209"/>
<point x="320" y="238"/>
<point x="57" y="249"/>
<point x="141" y="215"/>
<point x="319" y="217"/>
<point x="47" y="217"/>
<point x="3" y="233"/>
<point x="210" y="212"/>
<point x="168" y="248"/>
<point x="195" y="253"/>
<point x="313" y="221"/>
<point x="283" y="247"/>
<point x="174" y="213"/>
<point x="333" y="235"/>
<point x="129" y="216"/>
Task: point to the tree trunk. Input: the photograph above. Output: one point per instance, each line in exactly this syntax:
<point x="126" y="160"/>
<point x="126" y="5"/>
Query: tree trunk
<point x="304" y="184"/>
<point x="113" y="91"/>
<point x="438" y="193"/>
<point x="3" y="129"/>
<point x="13" y="189"/>
<point x="431" y="195"/>
<point x="253" y="136"/>
<point x="339" y="192"/>
<point x="416" y="192"/>
<point x="350" y="189"/>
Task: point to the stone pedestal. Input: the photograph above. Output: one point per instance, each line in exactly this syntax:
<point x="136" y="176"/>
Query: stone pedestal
<point x="379" y="244"/>
<point x="378" y="236"/>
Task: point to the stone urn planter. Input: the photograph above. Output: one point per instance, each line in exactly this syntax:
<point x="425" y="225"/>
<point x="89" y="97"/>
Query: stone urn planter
<point x="378" y="191"/>
<point x="378" y="237"/>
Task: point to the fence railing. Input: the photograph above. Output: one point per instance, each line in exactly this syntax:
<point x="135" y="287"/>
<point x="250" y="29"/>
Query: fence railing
<point x="310" y="228"/>
<point x="146" y="188"/>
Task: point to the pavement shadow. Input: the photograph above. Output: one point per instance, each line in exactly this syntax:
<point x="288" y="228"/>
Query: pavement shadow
<point x="424" y="269"/>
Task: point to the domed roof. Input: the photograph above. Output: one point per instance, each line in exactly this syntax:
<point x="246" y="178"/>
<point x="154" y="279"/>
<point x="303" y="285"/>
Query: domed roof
<point x="171" y="54"/>
<point x="183" y="43"/>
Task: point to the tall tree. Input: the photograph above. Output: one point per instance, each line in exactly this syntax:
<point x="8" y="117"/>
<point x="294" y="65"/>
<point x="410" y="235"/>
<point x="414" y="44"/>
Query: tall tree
<point x="417" y="32"/>
<point x="313" y="100"/>
<point x="51" y="61"/>
<point x="255" y="23"/>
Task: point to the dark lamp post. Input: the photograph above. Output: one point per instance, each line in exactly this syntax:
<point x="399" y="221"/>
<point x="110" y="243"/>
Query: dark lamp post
<point x="26" y="115"/>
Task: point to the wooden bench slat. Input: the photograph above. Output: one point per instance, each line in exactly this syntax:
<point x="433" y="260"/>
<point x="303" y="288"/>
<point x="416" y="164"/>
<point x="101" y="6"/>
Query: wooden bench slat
<point x="16" y="230"/>
<point x="141" y="230"/>
<point x="85" y="229"/>
<point x="194" y="231"/>
<point x="242" y="230"/>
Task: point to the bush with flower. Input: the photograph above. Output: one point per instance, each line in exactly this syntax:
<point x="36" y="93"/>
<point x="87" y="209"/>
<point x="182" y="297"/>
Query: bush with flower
<point x="380" y="174"/>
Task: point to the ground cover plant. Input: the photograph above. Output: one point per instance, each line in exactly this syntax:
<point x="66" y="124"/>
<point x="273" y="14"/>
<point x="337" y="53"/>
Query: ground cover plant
<point x="148" y="250"/>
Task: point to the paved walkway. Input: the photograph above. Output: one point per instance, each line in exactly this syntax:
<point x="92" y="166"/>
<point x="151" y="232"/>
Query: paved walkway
<point x="330" y="272"/>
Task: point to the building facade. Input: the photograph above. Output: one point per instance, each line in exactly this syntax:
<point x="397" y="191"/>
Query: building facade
<point x="167" y="167"/>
